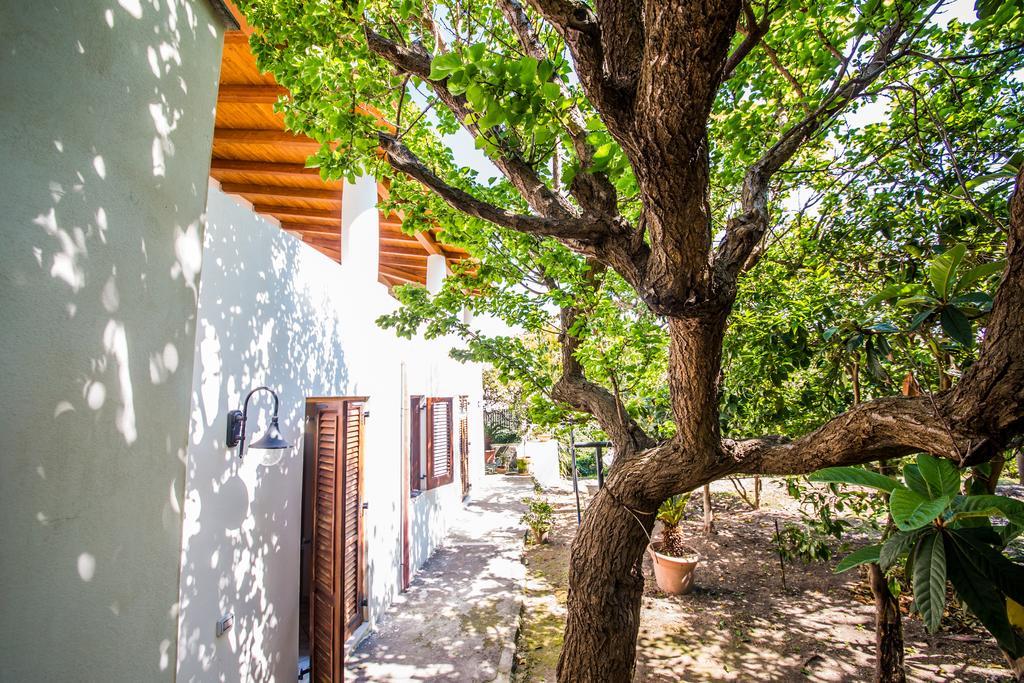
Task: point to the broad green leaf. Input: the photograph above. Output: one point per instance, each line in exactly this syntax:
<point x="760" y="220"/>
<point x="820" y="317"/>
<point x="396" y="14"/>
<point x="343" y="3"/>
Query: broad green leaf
<point x="977" y="273"/>
<point x="942" y="268"/>
<point x="858" y="557"/>
<point x="910" y="510"/>
<point x="1009" y="532"/>
<point x="930" y="579"/>
<point x="988" y="506"/>
<point x="956" y="325"/>
<point x="857" y="476"/>
<point x="981" y="595"/>
<point x="898" y="545"/>
<point x="444" y="65"/>
<point x="920" y="318"/>
<point x="921" y="300"/>
<point x="892" y="292"/>
<point x="941" y="475"/>
<point x="915" y="480"/>
<point x="973" y="300"/>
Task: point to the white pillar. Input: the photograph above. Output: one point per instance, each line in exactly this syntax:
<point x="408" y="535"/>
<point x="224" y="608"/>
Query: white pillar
<point x="437" y="271"/>
<point x="360" y="228"/>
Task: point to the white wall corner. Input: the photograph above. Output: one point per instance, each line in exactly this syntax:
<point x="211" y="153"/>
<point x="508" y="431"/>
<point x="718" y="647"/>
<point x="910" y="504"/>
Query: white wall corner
<point x="437" y="271"/>
<point x="360" y="229"/>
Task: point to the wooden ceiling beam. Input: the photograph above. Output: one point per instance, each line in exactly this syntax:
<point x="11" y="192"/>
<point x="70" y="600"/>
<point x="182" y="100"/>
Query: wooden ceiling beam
<point x="333" y="196"/>
<point x="413" y="249"/>
<point x="296" y="211"/>
<point x="218" y="165"/>
<point x="402" y="276"/>
<point x="405" y="260"/>
<point x="304" y="230"/>
<point x="246" y="93"/>
<point x="260" y="136"/>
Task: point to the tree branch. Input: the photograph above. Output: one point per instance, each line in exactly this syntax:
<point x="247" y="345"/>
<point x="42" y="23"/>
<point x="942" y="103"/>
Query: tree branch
<point x="414" y="59"/>
<point x="753" y="32"/>
<point x="743" y="232"/>
<point x="578" y="233"/>
<point x="581" y="30"/>
<point x="577" y="391"/>
<point x="968" y="424"/>
<point x="593" y="191"/>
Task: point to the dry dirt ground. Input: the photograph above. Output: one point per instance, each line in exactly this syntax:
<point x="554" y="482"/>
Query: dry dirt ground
<point x="739" y="624"/>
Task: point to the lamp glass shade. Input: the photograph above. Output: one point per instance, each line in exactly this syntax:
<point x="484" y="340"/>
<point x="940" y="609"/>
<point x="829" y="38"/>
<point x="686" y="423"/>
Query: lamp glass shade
<point x="271" y="445"/>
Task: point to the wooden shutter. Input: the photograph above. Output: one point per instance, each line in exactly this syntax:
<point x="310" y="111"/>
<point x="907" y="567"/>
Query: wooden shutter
<point x="336" y="593"/>
<point x="353" y="526"/>
<point x="325" y="609"/>
<point x="415" y="448"/>
<point x="439" y="442"/>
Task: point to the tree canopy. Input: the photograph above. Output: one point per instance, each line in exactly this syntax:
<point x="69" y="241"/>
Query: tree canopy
<point x="713" y="220"/>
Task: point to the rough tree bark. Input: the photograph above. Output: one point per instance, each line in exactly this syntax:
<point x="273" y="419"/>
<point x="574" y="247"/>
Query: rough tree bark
<point x="651" y="70"/>
<point x="888" y="630"/>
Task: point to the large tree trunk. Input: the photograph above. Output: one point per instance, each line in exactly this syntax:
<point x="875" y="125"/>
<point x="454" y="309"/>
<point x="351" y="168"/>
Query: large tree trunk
<point x="888" y="630"/>
<point x="606" y="583"/>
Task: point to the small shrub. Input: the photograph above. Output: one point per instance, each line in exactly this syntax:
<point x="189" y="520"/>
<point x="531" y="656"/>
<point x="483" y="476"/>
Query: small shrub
<point x="521" y="466"/>
<point x="538" y="517"/>
<point x="802" y="542"/>
<point x="671" y="513"/>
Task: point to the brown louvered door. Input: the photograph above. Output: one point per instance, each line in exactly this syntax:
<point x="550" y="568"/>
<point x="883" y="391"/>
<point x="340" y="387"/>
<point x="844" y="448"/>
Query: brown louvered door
<point x="336" y="592"/>
<point x="464" y="443"/>
<point x="353" y="527"/>
<point x="325" y="609"/>
<point x="439" y="442"/>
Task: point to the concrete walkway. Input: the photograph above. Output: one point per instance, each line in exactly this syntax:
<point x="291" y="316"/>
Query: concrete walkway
<point x="458" y="620"/>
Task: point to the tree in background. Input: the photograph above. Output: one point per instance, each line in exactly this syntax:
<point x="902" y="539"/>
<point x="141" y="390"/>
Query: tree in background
<point x="689" y="188"/>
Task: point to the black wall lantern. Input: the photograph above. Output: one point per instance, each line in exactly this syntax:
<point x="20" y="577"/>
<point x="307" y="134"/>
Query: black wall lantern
<point x="271" y="443"/>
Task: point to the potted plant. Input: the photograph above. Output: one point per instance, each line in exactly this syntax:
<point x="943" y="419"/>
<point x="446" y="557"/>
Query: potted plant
<point x="538" y="516"/>
<point x="521" y="465"/>
<point x="674" y="561"/>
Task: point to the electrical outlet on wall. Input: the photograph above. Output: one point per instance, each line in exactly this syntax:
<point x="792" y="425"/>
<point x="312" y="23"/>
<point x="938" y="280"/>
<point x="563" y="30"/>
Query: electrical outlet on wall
<point x="225" y="623"/>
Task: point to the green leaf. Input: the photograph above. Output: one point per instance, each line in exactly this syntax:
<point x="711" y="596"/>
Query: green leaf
<point x="898" y="545"/>
<point x="981" y="595"/>
<point x="910" y="510"/>
<point x="941" y="475"/>
<point x="857" y="476"/>
<point x="444" y="65"/>
<point x="920" y="318"/>
<point x="956" y="325"/>
<point x="979" y="300"/>
<point x="988" y="506"/>
<point x="858" y="557"/>
<point x="891" y="292"/>
<point x="979" y="273"/>
<point x="942" y="268"/>
<point x="920" y="300"/>
<point x="930" y="579"/>
<point x="915" y="480"/>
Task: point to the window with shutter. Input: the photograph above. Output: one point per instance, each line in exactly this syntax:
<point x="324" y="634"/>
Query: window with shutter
<point x="439" y="442"/>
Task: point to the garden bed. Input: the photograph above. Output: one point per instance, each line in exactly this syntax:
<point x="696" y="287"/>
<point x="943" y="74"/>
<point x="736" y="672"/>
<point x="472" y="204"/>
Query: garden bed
<point x="739" y="624"/>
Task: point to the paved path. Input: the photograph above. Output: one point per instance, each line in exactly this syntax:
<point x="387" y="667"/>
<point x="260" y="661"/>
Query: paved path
<point x="458" y="620"/>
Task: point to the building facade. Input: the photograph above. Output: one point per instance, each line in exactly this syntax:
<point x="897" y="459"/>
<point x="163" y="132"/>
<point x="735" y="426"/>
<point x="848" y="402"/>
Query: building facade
<point x="142" y="301"/>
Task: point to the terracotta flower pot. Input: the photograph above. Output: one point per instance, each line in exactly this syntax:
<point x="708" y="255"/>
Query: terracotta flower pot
<point x="673" y="574"/>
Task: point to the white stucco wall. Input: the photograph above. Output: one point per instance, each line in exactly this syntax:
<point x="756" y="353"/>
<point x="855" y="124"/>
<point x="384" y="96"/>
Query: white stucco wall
<point x="106" y="121"/>
<point x="273" y="311"/>
<point x="543" y="457"/>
